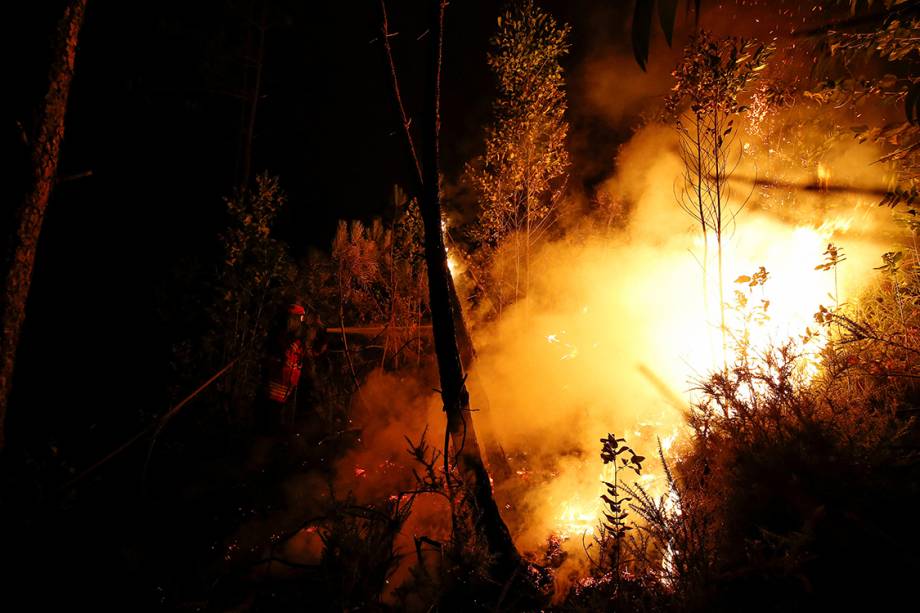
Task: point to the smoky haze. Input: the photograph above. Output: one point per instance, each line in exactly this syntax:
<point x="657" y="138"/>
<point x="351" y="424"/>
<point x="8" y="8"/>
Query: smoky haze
<point x="615" y="331"/>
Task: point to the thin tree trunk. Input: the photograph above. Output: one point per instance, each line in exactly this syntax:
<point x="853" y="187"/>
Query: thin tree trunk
<point x="254" y="94"/>
<point x="517" y="260"/>
<point x="464" y="340"/>
<point x="465" y="445"/>
<point x="527" y="247"/>
<point x="700" y="177"/>
<point x="45" y="154"/>
<point x="717" y="147"/>
<point x="495" y="455"/>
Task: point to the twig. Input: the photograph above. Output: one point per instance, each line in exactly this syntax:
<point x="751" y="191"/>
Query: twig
<point x="75" y="176"/>
<point x="351" y="366"/>
<point x="859" y="20"/>
<point x="507" y="587"/>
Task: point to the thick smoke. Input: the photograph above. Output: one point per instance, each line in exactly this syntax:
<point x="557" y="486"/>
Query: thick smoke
<point x="614" y="333"/>
<point x="615" y="330"/>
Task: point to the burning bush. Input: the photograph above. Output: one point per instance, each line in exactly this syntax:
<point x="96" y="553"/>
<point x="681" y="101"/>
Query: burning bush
<point x="789" y="487"/>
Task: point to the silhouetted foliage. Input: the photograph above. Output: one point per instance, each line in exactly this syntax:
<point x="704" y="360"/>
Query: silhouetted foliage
<point x="253" y="282"/>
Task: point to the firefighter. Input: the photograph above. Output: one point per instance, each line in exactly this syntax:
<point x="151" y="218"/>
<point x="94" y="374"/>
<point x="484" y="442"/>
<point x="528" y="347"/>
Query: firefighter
<point x="283" y="365"/>
<point x="315" y="343"/>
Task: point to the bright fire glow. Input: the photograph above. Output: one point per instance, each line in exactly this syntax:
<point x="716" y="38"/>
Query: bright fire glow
<point x="577" y="518"/>
<point x="617" y="329"/>
<point x="794" y="290"/>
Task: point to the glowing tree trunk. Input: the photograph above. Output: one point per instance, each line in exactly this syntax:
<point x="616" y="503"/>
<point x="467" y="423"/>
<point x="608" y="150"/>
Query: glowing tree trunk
<point x="45" y="153"/>
<point x="464" y="444"/>
<point x="495" y="455"/>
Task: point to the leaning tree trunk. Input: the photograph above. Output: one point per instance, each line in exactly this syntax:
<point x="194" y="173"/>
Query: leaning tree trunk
<point x="495" y="455"/>
<point x="45" y="152"/>
<point x="465" y="445"/>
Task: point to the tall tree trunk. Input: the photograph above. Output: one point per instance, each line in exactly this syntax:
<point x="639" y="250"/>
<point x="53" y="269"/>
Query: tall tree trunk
<point x="495" y="455"/>
<point x="252" y="96"/>
<point x="45" y="153"/>
<point x="464" y="443"/>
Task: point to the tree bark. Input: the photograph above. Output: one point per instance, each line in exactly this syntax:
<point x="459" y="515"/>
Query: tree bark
<point x="464" y="443"/>
<point x="495" y="454"/>
<point x="45" y="154"/>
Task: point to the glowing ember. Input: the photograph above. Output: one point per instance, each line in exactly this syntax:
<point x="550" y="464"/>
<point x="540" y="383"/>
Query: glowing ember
<point x="571" y="350"/>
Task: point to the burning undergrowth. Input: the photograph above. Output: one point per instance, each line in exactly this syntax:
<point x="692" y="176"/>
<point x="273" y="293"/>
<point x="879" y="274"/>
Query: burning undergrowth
<point x="615" y="332"/>
<point x="618" y="325"/>
<point x="614" y="335"/>
<point x="396" y="413"/>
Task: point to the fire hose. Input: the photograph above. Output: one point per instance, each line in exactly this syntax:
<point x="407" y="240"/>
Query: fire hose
<point x="156" y="425"/>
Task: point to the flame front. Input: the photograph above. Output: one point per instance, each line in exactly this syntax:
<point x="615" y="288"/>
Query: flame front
<point x="577" y="518"/>
<point x="617" y="328"/>
<point x="794" y="291"/>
